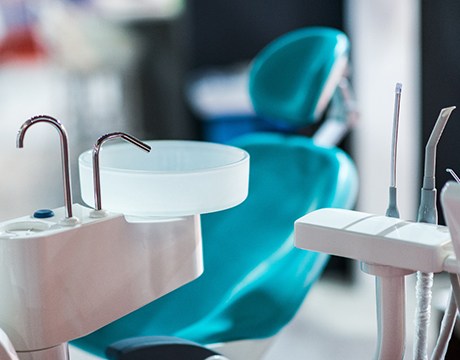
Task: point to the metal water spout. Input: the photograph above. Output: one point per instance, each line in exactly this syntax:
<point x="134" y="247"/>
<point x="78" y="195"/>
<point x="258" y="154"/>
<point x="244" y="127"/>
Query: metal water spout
<point x="69" y="219"/>
<point x="96" y="171"/>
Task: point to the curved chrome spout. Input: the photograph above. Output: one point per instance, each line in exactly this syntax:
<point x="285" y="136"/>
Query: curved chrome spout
<point x="96" y="170"/>
<point x="64" y="154"/>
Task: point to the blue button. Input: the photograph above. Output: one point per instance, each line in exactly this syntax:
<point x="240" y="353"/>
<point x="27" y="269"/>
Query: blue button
<point x="43" y="213"/>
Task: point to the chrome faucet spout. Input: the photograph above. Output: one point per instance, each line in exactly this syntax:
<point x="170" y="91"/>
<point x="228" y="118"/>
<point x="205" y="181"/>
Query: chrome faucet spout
<point x="96" y="167"/>
<point x="64" y="153"/>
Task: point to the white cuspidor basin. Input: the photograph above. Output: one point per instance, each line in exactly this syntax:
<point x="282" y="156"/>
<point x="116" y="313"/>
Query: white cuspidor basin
<point x="176" y="178"/>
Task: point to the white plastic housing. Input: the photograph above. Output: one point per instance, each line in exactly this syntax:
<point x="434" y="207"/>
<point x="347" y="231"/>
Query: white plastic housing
<point x="375" y="239"/>
<point x="176" y="178"/>
<point x="450" y="199"/>
<point x="60" y="283"/>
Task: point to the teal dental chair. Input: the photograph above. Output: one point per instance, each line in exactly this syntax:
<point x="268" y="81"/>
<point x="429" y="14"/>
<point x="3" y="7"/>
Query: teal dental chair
<point x="254" y="279"/>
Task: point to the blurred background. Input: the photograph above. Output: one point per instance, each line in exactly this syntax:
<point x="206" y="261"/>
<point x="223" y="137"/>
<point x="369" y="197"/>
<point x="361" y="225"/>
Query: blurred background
<point x="177" y="69"/>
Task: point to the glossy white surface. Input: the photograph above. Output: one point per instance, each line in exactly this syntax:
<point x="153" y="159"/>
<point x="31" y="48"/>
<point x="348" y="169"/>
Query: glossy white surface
<point x="450" y="199"/>
<point x="59" y="283"/>
<point x="375" y="239"/>
<point x="176" y="178"/>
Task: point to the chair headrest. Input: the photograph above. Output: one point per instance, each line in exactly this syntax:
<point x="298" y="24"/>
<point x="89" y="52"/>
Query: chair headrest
<point x="294" y="77"/>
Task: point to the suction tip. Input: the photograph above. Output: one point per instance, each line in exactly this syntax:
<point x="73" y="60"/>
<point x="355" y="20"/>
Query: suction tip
<point x="398" y="88"/>
<point x="447" y="111"/>
<point x="439" y="126"/>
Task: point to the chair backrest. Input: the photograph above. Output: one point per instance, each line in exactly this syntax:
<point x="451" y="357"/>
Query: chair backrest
<point x="254" y="279"/>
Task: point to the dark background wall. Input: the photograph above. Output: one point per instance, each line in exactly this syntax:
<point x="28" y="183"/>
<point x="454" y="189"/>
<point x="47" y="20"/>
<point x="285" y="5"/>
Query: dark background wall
<point x="441" y="81"/>
<point x="224" y="32"/>
<point x="212" y="33"/>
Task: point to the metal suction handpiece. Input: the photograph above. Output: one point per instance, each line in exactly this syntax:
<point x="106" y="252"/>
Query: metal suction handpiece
<point x="70" y="220"/>
<point x="428" y="213"/>
<point x="427" y="210"/>
<point x="96" y="170"/>
<point x="392" y="210"/>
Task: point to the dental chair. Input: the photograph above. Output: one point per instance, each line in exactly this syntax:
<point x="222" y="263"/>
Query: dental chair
<point x="254" y="280"/>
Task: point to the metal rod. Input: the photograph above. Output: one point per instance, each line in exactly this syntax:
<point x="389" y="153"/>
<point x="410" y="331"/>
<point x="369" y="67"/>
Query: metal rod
<point x="394" y="139"/>
<point x="96" y="167"/>
<point x="64" y="153"/>
<point x="392" y="210"/>
<point x="454" y="175"/>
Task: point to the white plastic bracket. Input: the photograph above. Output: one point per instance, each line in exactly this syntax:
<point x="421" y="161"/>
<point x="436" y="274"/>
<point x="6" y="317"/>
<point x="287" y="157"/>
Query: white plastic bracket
<point x="375" y="239"/>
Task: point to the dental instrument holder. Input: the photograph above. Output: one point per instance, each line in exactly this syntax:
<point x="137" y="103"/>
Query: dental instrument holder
<point x="387" y="247"/>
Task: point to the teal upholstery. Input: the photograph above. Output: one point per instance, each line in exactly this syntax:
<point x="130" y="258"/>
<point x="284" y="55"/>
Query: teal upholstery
<point x="293" y="78"/>
<point x="254" y="279"/>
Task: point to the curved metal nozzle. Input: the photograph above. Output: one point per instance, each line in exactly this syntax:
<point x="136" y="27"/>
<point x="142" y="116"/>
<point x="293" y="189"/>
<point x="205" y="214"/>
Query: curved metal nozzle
<point x="431" y="146"/>
<point x="96" y="169"/>
<point x="64" y="153"/>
